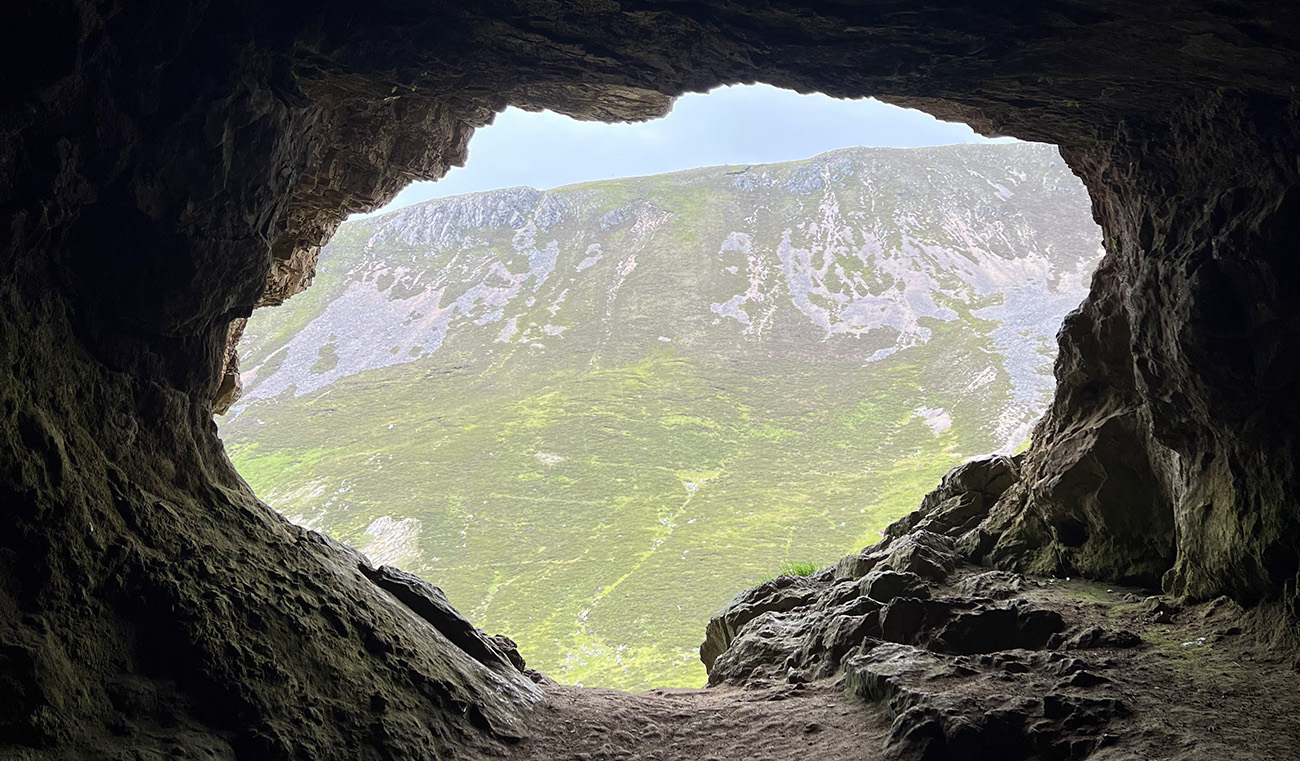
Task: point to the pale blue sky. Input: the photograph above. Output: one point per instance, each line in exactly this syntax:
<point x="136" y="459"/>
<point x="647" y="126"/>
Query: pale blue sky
<point x="744" y="124"/>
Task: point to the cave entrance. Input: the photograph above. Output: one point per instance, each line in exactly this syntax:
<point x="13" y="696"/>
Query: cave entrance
<point x="593" y="413"/>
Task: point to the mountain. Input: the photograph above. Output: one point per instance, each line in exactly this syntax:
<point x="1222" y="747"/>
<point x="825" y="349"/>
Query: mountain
<point x="593" y="414"/>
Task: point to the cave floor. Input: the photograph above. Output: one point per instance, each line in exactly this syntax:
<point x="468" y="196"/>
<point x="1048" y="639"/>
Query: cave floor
<point x="767" y="723"/>
<point x="1208" y="681"/>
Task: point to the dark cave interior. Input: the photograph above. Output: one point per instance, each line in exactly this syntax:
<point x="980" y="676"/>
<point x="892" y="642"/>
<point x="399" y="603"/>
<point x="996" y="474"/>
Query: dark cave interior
<point x="168" y="167"/>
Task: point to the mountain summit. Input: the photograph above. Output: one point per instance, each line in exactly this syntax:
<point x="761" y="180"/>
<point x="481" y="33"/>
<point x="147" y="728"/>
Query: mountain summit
<point x="594" y="413"/>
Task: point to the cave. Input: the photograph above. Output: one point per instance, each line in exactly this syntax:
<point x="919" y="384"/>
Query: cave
<point x="167" y="168"/>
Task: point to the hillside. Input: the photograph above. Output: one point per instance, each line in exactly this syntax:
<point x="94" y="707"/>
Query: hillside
<point x="593" y="414"/>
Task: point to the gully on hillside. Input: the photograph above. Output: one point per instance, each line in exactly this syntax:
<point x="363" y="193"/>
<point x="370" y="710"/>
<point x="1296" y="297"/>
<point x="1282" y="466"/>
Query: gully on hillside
<point x="595" y="413"/>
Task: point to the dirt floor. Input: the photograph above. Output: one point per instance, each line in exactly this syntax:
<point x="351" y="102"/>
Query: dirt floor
<point x="1208" y="681"/>
<point x="768" y="723"/>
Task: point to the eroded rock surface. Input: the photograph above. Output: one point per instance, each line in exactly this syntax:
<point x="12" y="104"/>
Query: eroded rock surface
<point x="166" y="167"/>
<point x="969" y="663"/>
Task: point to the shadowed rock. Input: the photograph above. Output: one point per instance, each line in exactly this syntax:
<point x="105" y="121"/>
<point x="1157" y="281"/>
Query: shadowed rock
<point x="937" y="716"/>
<point x="885" y="584"/>
<point x="167" y="167"/>
<point x="429" y="603"/>
<point x="775" y="596"/>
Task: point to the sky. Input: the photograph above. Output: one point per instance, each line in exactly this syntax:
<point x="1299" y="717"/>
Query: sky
<point x="742" y="124"/>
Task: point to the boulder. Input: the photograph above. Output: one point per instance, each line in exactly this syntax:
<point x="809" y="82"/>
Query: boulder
<point x="962" y="499"/>
<point x="859" y="564"/>
<point x="777" y="595"/>
<point x="884" y="584"/>
<point x="430" y="604"/>
<point x="761" y="649"/>
<point x="890" y="670"/>
<point x="923" y="553"/>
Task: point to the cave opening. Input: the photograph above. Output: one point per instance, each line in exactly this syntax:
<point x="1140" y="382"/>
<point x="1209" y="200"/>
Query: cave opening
<point x="703" y="358"/>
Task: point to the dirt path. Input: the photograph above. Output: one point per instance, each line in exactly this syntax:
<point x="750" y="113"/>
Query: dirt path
<point x="770" y="723"/>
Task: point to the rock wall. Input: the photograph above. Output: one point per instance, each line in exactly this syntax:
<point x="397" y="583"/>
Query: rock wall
<point x="1169" y="456"/>
<point x="166" y="167"/>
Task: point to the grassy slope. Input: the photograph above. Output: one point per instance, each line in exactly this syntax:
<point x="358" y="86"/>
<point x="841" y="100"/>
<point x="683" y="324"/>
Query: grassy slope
<point x="600" y="565"/>
<point x="598" y="500"/>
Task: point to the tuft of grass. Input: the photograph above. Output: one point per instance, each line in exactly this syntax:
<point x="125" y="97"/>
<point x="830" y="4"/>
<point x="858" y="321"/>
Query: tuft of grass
<point x="799" y="568"/>
<point x="791" y="568"/>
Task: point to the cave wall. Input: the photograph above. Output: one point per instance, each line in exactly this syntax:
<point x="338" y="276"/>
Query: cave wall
<point x="167" y="167"/>
<point x="1170" y="448"/>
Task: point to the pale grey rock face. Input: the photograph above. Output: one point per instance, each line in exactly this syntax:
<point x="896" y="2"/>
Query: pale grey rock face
<point x="859" y="246"/>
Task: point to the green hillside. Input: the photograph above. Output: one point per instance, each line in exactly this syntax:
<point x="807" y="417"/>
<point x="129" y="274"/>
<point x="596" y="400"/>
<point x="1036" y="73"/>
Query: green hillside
<point x="592" y="415"/>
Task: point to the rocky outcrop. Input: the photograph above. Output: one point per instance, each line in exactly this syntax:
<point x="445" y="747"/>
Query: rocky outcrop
<point x="805" y="627"/>
<point x="936" y="719"/>
<point x="912" y="624"/>
<point x="976" y="663"/>
<point x="165" y="167"/>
